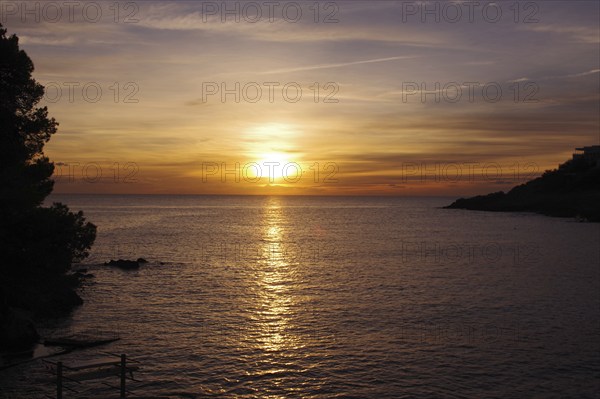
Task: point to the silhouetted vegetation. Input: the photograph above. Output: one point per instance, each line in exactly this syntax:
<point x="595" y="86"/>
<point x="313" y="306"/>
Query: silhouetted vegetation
<point x="572" y="190"/>
<point x="37" y="244"/>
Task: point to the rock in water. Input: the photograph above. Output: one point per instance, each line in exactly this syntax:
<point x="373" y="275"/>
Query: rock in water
<point x="124" y="264"/>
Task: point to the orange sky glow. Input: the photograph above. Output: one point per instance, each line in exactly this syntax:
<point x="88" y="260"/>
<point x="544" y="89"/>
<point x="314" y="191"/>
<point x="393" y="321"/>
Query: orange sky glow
<point x="359" y="98"/>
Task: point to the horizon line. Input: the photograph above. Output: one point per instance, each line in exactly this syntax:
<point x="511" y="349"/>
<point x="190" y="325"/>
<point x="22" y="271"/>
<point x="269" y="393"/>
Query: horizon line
<point x="263" y="195"/>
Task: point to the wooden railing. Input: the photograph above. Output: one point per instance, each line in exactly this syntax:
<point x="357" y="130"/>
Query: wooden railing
<point x="112" y="366"/>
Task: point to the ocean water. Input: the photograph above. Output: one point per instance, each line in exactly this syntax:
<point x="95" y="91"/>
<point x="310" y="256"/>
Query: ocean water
<point x="335" y="297"/>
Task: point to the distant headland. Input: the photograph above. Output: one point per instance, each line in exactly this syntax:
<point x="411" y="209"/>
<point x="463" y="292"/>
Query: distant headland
<point x="572" y="190"/>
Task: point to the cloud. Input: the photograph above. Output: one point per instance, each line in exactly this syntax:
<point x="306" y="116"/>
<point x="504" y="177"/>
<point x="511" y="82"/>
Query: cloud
<point x="572" y="75"/>
<point x="582" y="34"/>
<point x="592" y="72"/>
<point x="519" y="80"/>
<point x="189" y="17"/>
<point x="338" y="65"/>
<point x="46" y="41"/>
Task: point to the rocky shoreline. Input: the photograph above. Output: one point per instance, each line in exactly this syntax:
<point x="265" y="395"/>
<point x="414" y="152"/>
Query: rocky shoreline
<point x="572" y="190"/>
<point x="25" y="301"/>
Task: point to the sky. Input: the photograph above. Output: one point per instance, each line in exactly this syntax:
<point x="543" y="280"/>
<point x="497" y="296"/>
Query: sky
<point x="304" y="98"/>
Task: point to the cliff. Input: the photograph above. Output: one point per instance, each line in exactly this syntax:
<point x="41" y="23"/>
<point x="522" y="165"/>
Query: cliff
<point x="572" y="190"/>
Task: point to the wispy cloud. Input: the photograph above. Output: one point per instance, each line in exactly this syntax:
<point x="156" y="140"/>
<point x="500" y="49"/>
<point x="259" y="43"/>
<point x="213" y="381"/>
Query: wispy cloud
<point x="583" y="34"/>
<point x="577" y="75"/>
<point x="337" y="65"/>
<point x="47" y="41"/>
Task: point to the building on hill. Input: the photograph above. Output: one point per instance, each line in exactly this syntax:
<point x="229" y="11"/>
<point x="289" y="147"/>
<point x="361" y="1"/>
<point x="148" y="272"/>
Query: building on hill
<point x="591" y="154"/>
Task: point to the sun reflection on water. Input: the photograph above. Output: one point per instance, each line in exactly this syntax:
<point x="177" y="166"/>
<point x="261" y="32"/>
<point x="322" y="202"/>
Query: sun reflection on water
<point x="274" y="279"/>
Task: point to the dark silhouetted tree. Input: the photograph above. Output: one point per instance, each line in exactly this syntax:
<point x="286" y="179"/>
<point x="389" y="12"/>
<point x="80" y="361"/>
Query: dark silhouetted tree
<point x="33" y="238"/>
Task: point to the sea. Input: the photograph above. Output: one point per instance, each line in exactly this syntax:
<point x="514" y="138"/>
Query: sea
<point x="331" y="297"/>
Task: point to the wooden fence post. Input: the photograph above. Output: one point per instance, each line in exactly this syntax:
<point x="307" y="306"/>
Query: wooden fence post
<point x="123" y="374"/>
<point x="59" y="387"/>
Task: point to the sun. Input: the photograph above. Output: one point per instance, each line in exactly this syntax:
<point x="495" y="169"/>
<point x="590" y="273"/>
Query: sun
<point x="272" y="165"/>
<point x="268" y="152"/>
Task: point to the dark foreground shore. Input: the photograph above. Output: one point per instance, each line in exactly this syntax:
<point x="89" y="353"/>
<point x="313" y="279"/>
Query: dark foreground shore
<point x="24" y="302"/>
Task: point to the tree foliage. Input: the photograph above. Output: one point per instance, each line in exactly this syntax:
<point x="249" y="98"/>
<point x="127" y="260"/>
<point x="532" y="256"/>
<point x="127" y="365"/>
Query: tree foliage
<point x="32" y="237"/>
